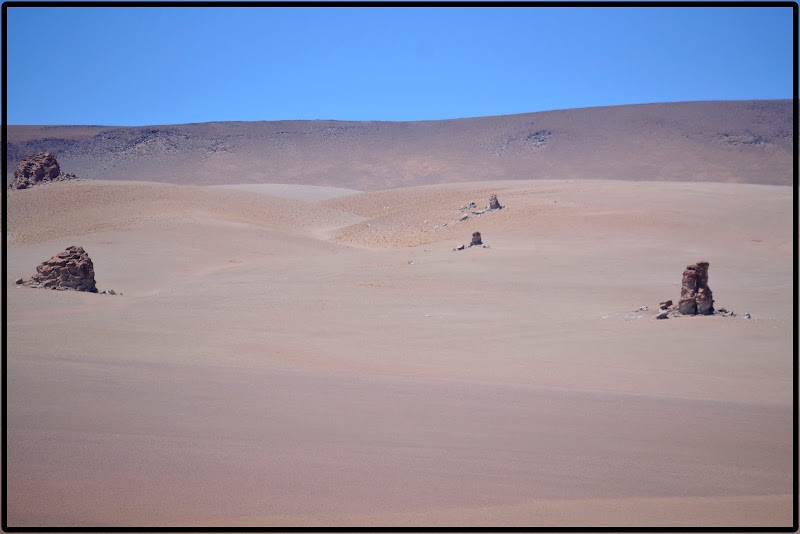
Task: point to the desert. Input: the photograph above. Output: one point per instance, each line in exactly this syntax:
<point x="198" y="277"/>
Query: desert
<point x="297" y="342"/>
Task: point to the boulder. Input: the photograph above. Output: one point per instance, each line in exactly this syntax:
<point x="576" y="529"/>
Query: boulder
<point x="476" y="240"/>
<point x="665" y="305"/>
<point x="38" y="169"/>
<point x="71" y="269"/>
<point x="696" y="296"/>
<point x="494" y="204"/>
<point x="687" y="305"/>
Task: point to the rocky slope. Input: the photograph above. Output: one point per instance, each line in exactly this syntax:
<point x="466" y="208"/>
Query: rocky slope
<point x="739" y="141"/>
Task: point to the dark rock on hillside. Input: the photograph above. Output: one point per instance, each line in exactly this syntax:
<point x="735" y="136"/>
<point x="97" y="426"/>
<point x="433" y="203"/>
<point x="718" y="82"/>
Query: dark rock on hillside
<point x="38" y="169"/>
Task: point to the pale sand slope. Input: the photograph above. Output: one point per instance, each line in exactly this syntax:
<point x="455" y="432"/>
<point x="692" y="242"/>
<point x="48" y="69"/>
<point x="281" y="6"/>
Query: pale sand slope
<point x="270" y="364"/>
<point x="308" y="193"/>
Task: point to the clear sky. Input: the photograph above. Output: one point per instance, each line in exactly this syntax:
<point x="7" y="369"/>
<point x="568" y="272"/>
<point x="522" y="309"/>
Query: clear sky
<point x="143" y="66"/>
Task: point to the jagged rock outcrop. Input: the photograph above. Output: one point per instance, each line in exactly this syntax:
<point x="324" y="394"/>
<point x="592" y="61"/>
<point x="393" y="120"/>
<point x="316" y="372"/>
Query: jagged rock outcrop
<point x="696" y="296"/>
<point x="494" y="204"/>
<point x="38" y="169"/>
<point x="71" y="269"/>
<point x="476" y="240"/>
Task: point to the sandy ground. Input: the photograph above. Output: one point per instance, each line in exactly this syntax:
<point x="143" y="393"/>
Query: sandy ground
<point x="296" y="357"/>
<point x="308" y="193"/>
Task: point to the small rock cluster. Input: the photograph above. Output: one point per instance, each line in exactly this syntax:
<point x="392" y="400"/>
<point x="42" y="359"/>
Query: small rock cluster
<point x="494" y="205"/>
<point x="38" y="169"/>
<point x="476" y="242"/>
<point x="696" y="296"/>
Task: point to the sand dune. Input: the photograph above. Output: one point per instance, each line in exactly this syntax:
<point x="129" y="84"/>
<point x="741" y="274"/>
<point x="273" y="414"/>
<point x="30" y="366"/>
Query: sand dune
<point x="290" y="356"/>
<point x="307" y="193"/>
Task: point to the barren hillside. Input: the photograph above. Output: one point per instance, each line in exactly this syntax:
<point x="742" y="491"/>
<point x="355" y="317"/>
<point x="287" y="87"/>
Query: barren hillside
<point x="741" y="141"/>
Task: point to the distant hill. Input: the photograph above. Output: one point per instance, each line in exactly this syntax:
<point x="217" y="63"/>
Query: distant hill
<point x="731" y="141"/>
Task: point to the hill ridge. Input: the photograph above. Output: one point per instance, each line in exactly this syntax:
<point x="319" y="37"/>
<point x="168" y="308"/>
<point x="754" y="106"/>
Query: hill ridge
<point x="748" y="141"/>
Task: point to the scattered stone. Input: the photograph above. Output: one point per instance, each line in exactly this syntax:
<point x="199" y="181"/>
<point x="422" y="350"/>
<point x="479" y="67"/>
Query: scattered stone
<point x="464" y="217"/>
<point x="696" y="296"/>
<point x="71" y="269"/>
<point x="462" y="247"/>
<point x="643" y="307"/>
<point x="494" y="204"/>
<point x="469" y="206"/>
<point x="665" y="305"/>
<point x="747" y="316"/>
<point x="664" y="314"/>
<point x="476" y="240"/>
<point x="111" y="292"/>
<point x="38" y="169"/>
<point x="18" y="281"/>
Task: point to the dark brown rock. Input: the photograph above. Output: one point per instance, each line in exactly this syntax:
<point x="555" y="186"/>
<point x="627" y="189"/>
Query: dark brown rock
<point x="476" y="240"/>
<point x="38" y="169"/>
<point x="71" y="269"/>
<point x="494" y="204"/>
<point x="665" y="305"/>
<point x="696" y="297"/>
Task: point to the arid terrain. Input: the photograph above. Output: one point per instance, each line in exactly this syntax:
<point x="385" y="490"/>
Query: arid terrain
<point x="308" y="349"/>
<point x="737" y="142"/>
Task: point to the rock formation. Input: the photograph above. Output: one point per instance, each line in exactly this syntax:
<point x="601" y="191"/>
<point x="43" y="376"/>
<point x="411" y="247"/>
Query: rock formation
<point x="476" y="240"/>
<point x="494" y="204"/>
<point x="38" y="169"/>
<point x="696" y="296"/>
<point x="68" y="270"/>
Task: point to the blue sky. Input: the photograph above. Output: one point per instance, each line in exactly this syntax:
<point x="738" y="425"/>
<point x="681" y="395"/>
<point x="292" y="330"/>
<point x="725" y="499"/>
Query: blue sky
<point x="143" y="66"/>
